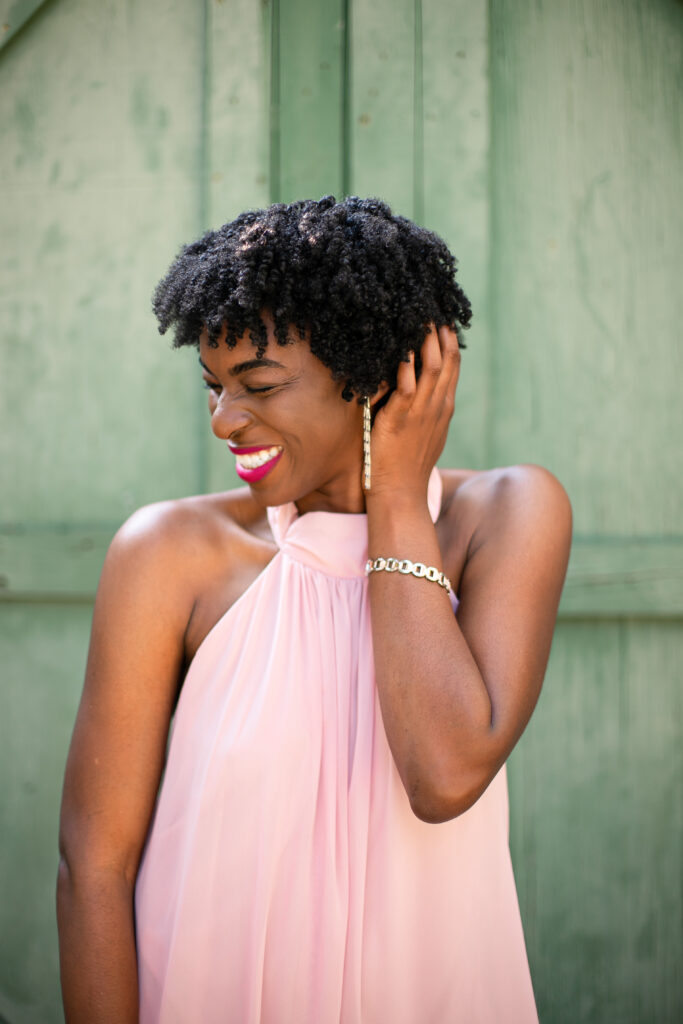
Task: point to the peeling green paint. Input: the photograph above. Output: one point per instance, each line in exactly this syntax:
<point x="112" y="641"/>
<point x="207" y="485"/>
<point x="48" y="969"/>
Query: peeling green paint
<point x="14" y="15"/>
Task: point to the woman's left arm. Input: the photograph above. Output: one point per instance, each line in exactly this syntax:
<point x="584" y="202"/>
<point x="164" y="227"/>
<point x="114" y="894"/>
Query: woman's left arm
<point x="456" y="693"/>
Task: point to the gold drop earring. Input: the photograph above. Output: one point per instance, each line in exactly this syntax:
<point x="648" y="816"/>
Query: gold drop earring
<point x="367" y="424"/>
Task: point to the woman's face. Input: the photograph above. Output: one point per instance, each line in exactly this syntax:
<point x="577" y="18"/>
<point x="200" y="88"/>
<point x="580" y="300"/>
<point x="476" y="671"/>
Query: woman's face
<point x="293" y="436"/>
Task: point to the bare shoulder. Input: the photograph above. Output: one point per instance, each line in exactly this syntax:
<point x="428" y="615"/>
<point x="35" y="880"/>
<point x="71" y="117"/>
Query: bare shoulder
<point x="178" y="533"/>
<point x="524" y="500"/>
<point x="519" y="504"/>
<point x="197" y="554"/>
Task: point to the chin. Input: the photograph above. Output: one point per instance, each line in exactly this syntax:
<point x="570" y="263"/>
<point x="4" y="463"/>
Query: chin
<point x="270" y="496"/>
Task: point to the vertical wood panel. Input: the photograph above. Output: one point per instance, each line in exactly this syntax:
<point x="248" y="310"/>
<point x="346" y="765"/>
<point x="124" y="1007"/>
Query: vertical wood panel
<point x="587" y="218"/>
<point x="14" y="14"/>
<point x="238" y="129"/>
<point x="455" y="106"/>
<point x="382" y="101"/>
<point x="43" y="659"/>
<point x="597" y="826"/>
<point x="126" y="130"/>
<point x="99" y="167"/>
<point x="311" y="62"/>
<point x="586" y="225"/>
<point x="238" y="160"/>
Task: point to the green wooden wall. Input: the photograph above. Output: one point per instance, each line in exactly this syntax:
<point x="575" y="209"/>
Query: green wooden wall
<point x="542" y="138"/>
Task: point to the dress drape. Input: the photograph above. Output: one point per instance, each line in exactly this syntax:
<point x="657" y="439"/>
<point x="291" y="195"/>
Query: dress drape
<point x="285" y="878"/>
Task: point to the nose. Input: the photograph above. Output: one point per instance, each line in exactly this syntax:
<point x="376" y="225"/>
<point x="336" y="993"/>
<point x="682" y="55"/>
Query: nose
<point x="228" y="416"/>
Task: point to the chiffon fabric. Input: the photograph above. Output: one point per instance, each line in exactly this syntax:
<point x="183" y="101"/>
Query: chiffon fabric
<point x="285" y="879"/>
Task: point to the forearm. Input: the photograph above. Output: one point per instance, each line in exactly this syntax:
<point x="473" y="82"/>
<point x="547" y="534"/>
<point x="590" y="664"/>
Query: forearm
<point x="97" y="948"/>
<point x="436" y="709"/>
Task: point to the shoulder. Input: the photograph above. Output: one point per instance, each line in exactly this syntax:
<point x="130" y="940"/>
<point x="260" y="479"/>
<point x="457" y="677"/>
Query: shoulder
<point x="522" y="500"/>
<point x="501" y="491"/>
<point x="178" y="543"/>
<point x="521" y="505"/>
<point x="187" y="527"/>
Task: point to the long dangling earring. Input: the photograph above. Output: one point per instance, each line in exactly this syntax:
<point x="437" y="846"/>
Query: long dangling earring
<point x="366" y="444"/>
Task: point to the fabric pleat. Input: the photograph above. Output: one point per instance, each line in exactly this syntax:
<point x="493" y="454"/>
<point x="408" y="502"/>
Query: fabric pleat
<point x="285" y="878"/>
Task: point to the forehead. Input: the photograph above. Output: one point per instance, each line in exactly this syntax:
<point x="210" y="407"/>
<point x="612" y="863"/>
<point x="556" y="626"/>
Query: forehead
<point x="296" y="356"/>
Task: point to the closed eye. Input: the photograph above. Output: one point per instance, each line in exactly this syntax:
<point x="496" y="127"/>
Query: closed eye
<point x="217" y="388"/>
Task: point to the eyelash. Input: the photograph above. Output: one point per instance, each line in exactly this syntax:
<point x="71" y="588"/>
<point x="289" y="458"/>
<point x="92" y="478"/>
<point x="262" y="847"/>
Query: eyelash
<point x="216" y="388"/>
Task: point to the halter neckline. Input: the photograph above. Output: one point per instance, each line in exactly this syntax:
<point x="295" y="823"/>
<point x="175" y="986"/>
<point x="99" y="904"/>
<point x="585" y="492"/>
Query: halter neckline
<point x="335" y="543"/>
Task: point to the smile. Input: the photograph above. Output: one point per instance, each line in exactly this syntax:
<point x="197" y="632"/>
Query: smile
<point x="253" y="464"/>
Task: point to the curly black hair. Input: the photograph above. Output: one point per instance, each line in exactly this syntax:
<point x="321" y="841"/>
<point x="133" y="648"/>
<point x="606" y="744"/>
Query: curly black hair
<point x="359" y="282"/>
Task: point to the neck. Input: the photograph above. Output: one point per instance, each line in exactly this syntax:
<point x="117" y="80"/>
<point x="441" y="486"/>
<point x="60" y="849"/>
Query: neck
<point x="346" y="497"/>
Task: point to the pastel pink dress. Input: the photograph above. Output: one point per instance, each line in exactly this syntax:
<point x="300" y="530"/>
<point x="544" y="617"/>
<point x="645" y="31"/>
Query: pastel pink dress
<point x="285" y="878"/>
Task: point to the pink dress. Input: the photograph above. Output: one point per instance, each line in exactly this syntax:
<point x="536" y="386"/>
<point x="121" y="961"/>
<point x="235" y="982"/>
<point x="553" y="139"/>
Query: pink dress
<point x="285" y="878"/>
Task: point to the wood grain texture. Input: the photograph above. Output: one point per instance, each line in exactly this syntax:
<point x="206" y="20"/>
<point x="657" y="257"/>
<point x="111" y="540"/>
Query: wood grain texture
<point x="43" y="660"/>
<point x="605" y="579"/>
<point x="382" y="124"/>
<point x="587" y="162"/>
<point x="312" y="70"/>
<point x="99" y="169"/>
<point x="543" y="141"/>
<point x="237" y="111"/>
<point x="586" y="165"/>
<point x="455" y="202"/>
<point x="14" y="14"/>
<point x="597" y="826"/>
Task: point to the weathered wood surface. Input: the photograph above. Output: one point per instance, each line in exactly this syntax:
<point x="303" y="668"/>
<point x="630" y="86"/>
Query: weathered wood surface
<point x="585" y="370"/>
<point x="596" y="820"/>
<point x="14" y="15"/>
<point x="543" y="141"/>
<point x="604" y="580"/>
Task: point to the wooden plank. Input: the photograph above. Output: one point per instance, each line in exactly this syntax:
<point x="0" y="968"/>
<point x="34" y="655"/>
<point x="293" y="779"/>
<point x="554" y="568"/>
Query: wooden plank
<point x="455" y="112"/>
<point x="597" y="826"/>
<point x="587" y="161"/>
<point x="311" y="67"/>
<point x="14" y="14"/>
<point x="382" y="129"/>
<point x="237" y="109"/>
<point x="605" y="579"/>
<point x="43" y="660"/>
<point x="58" y="564"/>
<point x="237" y="147"/>
<point x="99" y="164"/>
<point x="608" y="578"/>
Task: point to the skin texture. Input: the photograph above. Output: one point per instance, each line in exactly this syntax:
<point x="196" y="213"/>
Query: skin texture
<point x="455" y="693"/>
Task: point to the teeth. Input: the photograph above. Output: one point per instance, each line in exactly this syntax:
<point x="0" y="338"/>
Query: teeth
<point x="255" y="459"/>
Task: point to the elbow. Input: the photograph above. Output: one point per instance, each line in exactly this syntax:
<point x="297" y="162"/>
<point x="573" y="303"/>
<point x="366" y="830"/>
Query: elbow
<point x="434" y="811"/>
<point x="435" y="804"/>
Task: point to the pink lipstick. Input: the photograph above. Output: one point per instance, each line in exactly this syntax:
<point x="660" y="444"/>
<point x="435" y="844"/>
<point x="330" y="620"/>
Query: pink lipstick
<point x="254" y="462"/>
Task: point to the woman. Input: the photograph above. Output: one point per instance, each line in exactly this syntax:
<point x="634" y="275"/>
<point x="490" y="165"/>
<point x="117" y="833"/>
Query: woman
<point x="330" y="839"/>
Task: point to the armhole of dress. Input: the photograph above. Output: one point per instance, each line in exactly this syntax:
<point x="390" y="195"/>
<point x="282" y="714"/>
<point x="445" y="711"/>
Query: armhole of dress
<point x="434" y="498"/>
<point x="434" y="494"/>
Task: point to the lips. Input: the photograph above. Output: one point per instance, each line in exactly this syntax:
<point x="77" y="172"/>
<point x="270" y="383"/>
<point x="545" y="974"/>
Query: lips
<point x="255" y="462"/>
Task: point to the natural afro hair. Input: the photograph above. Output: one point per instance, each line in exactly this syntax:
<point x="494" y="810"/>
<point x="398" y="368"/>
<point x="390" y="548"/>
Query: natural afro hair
<point x="359" y="282"/>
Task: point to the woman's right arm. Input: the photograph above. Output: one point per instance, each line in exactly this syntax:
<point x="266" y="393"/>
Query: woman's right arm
<point x="115" y="763"/>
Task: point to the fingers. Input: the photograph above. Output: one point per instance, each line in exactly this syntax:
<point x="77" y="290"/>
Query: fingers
<point x="406" y="383"/>
<point x="431" y="358"/>
<point x="440" y="356"/>
<point x="450" y="353"/>
<point x="440" y="366"/>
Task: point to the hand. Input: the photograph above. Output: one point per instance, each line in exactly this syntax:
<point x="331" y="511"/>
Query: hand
<point x="409" y="432"/>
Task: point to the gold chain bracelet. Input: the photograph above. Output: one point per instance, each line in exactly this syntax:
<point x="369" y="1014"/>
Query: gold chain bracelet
<point x="405" y="566"/>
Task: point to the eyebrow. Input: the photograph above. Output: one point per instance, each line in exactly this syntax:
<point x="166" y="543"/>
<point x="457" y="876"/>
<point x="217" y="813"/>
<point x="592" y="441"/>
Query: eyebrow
<point x="248" y="364"/>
